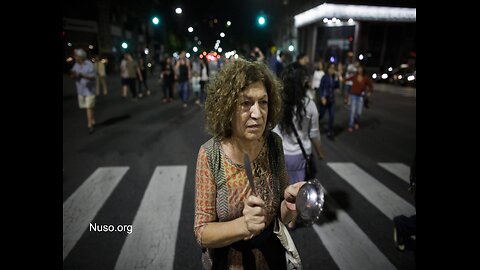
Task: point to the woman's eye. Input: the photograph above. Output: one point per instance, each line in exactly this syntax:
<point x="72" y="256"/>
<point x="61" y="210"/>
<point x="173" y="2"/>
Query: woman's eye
<point x="247" y="103"/>
<point x="264" y="102"/>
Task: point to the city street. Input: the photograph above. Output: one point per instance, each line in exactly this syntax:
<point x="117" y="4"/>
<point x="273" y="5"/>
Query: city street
<point x="138" y="169"/>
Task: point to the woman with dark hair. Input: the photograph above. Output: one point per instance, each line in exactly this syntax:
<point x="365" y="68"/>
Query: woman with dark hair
<point x="300" y="116"/>
<point x="361" y="88"/>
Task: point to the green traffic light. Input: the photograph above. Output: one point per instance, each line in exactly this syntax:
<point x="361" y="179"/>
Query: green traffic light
<point x="261" y="21"/>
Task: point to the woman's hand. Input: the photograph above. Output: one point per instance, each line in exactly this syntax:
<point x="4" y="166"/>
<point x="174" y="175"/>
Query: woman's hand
<point x="290" y="195"/>
<point x="254" y="215"/>
<point x="323" y="100"/>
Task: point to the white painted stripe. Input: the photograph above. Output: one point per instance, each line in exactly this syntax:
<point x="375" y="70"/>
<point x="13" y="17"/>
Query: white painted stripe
<point x="348" y="245"/>
<point x="375" y="192"/>
<point x="151" y="245"/>
<point x="400" y="170"/>
<point x="82" y="206"/>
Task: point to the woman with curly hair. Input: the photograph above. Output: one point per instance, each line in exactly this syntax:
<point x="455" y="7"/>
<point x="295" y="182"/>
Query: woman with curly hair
<point x="234" y="222"/>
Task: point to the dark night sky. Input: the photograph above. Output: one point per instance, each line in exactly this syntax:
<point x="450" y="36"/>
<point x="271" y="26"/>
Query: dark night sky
<point x="196" y="13"/>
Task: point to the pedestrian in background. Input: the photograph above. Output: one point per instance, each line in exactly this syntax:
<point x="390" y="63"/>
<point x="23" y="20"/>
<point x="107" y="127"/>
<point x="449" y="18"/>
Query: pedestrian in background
<point x="83" y="72"/>
<point x="101" y="75"/>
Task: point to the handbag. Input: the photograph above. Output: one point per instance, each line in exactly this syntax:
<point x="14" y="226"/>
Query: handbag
<point x="366" y="102"/>
<point x="291" y="253"/>
<point x="310" y="168"/>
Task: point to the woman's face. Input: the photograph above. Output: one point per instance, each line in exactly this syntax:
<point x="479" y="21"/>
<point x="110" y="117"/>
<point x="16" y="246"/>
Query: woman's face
<point x="250" y="115"/>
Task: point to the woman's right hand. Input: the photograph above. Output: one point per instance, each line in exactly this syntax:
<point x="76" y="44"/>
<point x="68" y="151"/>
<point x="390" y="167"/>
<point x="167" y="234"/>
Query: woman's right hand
<point x="254" y="215"/>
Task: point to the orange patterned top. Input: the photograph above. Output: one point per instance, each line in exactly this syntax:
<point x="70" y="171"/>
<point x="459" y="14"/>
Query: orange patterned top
<point x="220" y="191"/>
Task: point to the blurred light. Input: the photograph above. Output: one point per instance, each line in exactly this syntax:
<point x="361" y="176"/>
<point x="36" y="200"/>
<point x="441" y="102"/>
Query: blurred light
<point x="384" y="76"/>
<point x="236" y="56"/>
<point x="220" y="49"/>
<point x="360" y="57"/>
<point x="195" y="49"/>
<point x="210" y="57"/>
<point x="175" y="54"/>
<point x="411" y="78"/>
<point x="359" y="12"/>
<point x="146" y="51"/>
<point x="334" y="20"/>
<point x="390" y="69"/>
<point x="104" y="60"/>
<point x="178" y="10"/>
<point x="124" y="45"/>
<point x="374" y="76"/>
<point x="195" y="38"/>
<point x="325" y="20"/>
<point x="350" y="20"/>
<point x="199" y="42"/>
<point x="214" y="53"/>
<point x="90" y="47"/>
<point x="155" y="20"/>
<point x="400" y="76"/>
<point x="218" y="56"/>
<point x="291" y="48"/>
<point x="190" y="29"/>
<point x="229" y="23"/>
<point x="222" y="34"/>
<point x="149" y="65"/>
<point x="204" y="53"/>
<point x="332" y="59"/>
<point x="215" y="21"/>
<point x="69" y="59"/>
<point x="218" y="41"/>
<point x="187" y="55"/>
<point x="261" y="20"/>
<point x="201" y="56"/>
<point x="404" y="66"/>
<point x="69" y="44"/>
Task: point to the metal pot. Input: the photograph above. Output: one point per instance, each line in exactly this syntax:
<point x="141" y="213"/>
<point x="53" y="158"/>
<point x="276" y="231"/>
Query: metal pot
<point x="309" y="201"/>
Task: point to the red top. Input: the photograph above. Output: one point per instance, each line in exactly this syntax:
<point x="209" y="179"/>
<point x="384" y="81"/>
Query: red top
<point x="359" y="87"/>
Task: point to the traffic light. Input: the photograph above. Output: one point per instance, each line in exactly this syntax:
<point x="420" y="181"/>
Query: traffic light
<point x="261" y="20"/>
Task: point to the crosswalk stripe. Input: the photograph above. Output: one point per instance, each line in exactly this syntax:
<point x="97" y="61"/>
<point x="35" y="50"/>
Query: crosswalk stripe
<point x="82" y="206"/>
<point x="400" y="170"/>
<point x="375" y="192"/>
<point x="151" y="245"/>
<point x="348" y="245"/>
